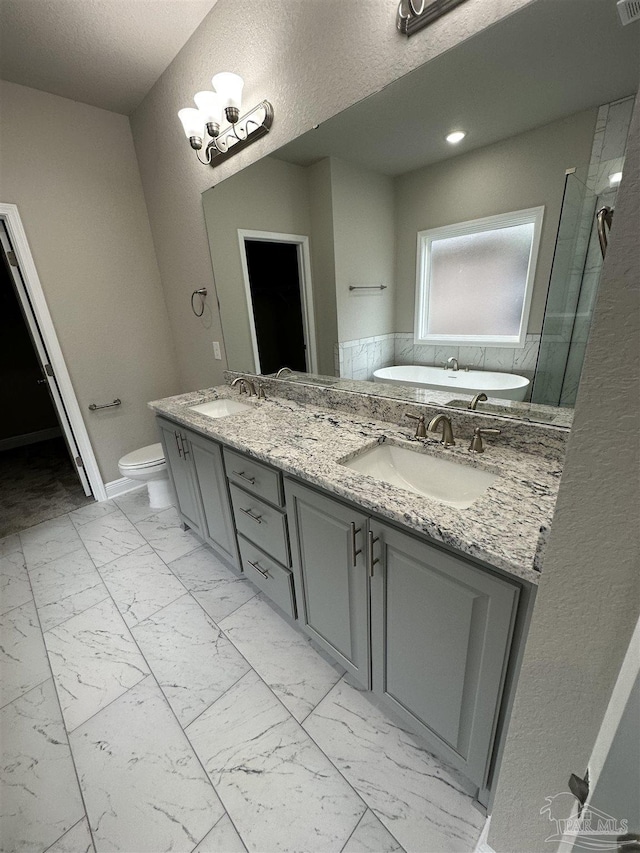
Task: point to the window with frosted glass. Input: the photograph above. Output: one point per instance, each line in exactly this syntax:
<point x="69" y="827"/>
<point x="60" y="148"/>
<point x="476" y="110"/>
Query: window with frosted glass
<point x="475" y="279"/>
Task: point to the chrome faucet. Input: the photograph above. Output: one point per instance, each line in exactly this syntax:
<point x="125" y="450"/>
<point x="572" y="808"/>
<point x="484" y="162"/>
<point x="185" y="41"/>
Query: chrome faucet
<point x="447" y="429"/>
<point x="240" y="380"/>
<point x="246" y="386"/>
<point x="479" y="398"/>
<point x="283" y="370"/>
<point x="453" y="362"/>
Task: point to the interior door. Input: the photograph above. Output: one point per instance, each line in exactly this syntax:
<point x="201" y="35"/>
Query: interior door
<point x="43" y="358"/>
<point x="273" y="272"/>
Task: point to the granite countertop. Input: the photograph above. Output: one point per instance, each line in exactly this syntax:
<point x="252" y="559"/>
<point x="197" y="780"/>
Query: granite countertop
<point x="505" y="528"/>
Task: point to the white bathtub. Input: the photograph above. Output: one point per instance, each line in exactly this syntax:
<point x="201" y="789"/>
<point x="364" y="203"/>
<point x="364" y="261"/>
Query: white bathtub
<point x="506" y="386"/>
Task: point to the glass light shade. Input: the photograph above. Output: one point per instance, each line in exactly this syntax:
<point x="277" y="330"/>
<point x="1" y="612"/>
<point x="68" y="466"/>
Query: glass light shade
<point x="192" y="122"/>
<point x="229" y="88"/>
<point x="209" y="106"/>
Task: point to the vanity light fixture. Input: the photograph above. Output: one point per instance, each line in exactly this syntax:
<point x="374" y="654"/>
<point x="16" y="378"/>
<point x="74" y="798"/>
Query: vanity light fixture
<point x="213" y="108"/>
<point x="455" y="136"/>
<point x="413" y="15"/>
<point x="615" y="178"/>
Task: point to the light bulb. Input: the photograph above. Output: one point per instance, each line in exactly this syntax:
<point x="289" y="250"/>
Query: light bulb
<point x="229" y="88"/>
<point x="210" y="108"/>
<point x="455" y="137"/>
<point x="193" y="124"/>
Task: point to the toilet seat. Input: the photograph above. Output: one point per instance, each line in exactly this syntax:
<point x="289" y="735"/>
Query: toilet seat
<point x="145" y="457"/>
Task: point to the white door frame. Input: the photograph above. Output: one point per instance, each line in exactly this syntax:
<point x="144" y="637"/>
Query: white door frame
<point x="37" y="313"/>
<point x="306" y="292"/>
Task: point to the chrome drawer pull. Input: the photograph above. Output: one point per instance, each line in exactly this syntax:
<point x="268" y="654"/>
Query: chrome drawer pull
<point x="178" y="444"/>
<point x="248" y="512"/>
<point x="263" y="572"/>
<point x="251" y="480"/>
<point x="354" y="550"/>
<point x="372" y="561"/>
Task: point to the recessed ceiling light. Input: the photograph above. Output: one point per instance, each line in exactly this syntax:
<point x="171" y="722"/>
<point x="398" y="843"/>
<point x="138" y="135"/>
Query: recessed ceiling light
<point x="456" y="136"/>
<point x="615" y="178"/>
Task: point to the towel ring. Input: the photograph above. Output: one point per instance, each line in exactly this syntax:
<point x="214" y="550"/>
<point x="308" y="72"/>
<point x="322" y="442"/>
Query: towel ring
<point x="201" y="293"/>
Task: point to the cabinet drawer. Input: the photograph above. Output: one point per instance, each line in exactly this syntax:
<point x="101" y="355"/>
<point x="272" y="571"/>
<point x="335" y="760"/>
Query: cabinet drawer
<point x="254" y="477"/>
<point x="269" y="576"/>
<point x="263" y="525"/>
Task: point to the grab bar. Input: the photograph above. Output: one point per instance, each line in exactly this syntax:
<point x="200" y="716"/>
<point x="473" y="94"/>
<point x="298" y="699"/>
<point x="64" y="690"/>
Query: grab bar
<point x="116" y="402"/>
<point x="604" y="217"/>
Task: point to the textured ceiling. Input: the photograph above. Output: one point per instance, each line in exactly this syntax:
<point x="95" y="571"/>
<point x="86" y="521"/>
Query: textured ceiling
<point x="107" y="53"/>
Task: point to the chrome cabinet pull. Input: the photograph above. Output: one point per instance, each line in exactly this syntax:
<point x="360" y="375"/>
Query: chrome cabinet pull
<point x="185" y="445"/>
<point x="178" y="444"/>
<point x="354" y="551"/>
<point x="372" y="541"/>
<point x="251" y="480"/>
<point x="257" y="518"/>
<point x="263" y="572"/>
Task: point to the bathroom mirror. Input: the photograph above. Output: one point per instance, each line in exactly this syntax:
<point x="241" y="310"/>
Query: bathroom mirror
<point x="314" y="248"/>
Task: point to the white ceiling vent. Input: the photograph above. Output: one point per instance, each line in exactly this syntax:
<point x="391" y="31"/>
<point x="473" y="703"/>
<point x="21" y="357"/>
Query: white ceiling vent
<point x="629" y="10"/>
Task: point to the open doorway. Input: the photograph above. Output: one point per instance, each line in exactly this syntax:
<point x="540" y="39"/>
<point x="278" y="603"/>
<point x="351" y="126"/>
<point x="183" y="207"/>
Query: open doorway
<point x="277" y="278"/>
<point x="42" y="474"/>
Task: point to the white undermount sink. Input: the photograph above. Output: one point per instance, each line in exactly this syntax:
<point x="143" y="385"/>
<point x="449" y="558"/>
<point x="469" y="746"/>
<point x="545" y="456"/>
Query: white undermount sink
<point x="220" y="408"/>
<point x="444" y="480"/>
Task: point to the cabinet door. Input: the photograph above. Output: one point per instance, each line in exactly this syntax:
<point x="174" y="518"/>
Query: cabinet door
<point x="331" y="576"/>
<point x="441" y="633"/>
<point x="181" y="472"/>
<point x="217" y="522"/>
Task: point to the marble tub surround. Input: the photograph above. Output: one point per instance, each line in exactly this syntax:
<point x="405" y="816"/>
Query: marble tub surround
<point x="357" y="359"/>
<point x="501" y="528"/>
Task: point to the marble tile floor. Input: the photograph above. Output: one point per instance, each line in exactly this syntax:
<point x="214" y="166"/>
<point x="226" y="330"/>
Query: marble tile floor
<point x="153" y="701"/>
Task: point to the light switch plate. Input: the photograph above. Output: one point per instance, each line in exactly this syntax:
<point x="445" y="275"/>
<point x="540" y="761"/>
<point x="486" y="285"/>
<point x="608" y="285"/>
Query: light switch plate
<point x="216" y="350"/>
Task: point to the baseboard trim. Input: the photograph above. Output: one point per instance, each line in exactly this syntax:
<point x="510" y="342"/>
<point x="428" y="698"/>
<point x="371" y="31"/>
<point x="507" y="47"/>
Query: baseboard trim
<point x="29" y="438"/>
<point x="120" y="487"/>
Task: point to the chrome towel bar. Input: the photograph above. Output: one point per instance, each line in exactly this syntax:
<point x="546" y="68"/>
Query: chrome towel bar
<point x="368" y="287"/>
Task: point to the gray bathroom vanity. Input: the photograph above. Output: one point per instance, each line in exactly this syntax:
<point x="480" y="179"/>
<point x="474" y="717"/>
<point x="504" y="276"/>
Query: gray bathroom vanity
<point x="423" y="603"/>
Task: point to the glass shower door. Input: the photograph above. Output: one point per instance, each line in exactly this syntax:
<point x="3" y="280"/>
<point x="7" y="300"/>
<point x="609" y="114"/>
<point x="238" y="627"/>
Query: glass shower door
<point x="573" y="287"/>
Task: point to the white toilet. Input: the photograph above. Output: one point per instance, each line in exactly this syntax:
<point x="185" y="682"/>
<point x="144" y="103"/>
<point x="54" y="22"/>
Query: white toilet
<point x="148" y="465"/>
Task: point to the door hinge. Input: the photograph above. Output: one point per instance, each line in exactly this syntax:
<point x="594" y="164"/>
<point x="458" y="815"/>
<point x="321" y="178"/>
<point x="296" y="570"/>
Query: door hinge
<point x="11" y="257"/>
<point x="79" y="462"/>
<point x="48" y="370"/>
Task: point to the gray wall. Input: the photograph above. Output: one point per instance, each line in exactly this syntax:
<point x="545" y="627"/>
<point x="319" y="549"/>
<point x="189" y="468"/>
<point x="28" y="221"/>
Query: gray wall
<point x="524" y="171"/>
<point x="268" y="196"/>
<point x="311" y="60"/>
<point x="589" y="596"/>
<point x="323" y="263"/>
<point x="72" y="171"/>
<point x="364" y="238"/>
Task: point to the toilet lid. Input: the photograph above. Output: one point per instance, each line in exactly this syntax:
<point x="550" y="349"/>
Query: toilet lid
<point x="152" y="454"/>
